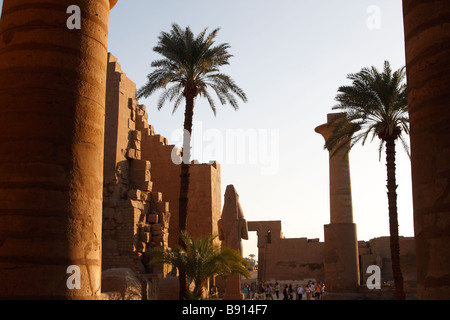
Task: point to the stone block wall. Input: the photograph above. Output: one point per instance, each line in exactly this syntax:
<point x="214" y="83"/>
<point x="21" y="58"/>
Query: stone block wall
<point x="295" y="258"/>
<point x="142" y="183"/>
<point x="135" y="215"/>
<point x="280" y="258"/>
<point x="204" y="206"/>
<point x="377" y="251"/>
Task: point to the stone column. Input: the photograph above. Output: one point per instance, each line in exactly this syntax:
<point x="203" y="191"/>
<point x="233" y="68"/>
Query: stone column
<point x="427" y="39"/>
<point x="52" y="113"/>
<point x="267" y="232"/>
<point x="341" y="263"/>
<point x="232" y="228"/>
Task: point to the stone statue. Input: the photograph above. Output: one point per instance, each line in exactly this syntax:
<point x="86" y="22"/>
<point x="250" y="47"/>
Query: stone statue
<point x="232" y="225"/>
<point x="232" y="228"/>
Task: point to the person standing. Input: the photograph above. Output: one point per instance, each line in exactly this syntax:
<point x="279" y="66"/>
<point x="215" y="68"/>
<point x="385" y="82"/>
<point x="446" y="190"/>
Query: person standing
<point x="318" y="291"/>
<point x="285" y="292"/>
<point x="270" y="291"/>
<point x="277" y="290"/>
<point x="299" y="292"/>
<point x="308" y="292"/>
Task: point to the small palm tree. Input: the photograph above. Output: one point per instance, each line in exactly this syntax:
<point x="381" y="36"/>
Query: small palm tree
<point x="191" y="66"/>
<point x="376" y="105"/>
<point x="201" y="259"/>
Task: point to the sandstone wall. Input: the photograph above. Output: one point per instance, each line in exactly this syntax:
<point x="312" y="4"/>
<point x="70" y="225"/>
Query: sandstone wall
<point x="142" y="183"/>
<point x="134" y="216"/>
<point x="377" y="252"/>
<point x="204" y="207"/>
<point x="296" y="258"/>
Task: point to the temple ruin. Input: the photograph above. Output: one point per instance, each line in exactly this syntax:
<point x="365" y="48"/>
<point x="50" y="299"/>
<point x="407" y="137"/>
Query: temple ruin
<point x="299" y="260"/>
<point x="68" y="176"/>
<point x="141" y="184"/>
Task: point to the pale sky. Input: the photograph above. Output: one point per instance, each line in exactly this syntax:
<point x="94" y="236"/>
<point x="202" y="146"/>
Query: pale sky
<point x="290" y="57"/>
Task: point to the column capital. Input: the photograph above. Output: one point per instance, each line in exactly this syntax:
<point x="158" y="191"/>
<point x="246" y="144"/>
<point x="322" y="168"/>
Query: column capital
<point x="326" y="129"/>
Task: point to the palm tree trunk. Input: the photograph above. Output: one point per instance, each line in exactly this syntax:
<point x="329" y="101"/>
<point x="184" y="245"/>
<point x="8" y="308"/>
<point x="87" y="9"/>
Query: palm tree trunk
<point x="393" y="221"/>
<point x="184" y="183"/>
<point x="198" y="291"/>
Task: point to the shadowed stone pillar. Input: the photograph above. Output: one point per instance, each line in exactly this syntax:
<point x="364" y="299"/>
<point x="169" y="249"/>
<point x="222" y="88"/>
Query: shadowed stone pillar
<point x="341" y="263"/>
<point x="427" y="47"/>
<point x="232" y="228"/>
<point x="267" y="232"/>
<point x="52" y="113"/>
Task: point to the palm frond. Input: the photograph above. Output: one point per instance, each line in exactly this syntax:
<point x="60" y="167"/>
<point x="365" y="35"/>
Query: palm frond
<point x="191" y="60"/>
<point x="201" y="258"/>
<point x="375" y="105"/>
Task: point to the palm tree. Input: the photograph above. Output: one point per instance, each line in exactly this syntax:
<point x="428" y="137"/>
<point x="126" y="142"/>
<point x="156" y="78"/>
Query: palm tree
<point x="376" y="105"/>
<point x="191" y="66"/>
<point x="201" y="259"/>
<point x="251" y="260"/>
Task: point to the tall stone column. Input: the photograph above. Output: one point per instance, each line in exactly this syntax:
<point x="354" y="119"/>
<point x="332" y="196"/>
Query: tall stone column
<point x="427" y="47"/>
<point x="52" y="113"/>
<point x="341" y="262"/>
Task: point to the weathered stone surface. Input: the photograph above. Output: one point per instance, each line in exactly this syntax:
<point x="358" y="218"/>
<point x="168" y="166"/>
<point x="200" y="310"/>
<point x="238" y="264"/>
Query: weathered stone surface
<point x="427" y="34"/>
<point x="135" y="194"/>
<point x="156" y="196"/>
<point x="131" y="154"/>
<point x="162" y="206"/>
<point x="137" y="204"/>
<point x="111" y="296"/>
<point x="137" y="135"/>
<point x="140" y="246"/>
<point x="136" y="144"/>
<point x="144" y="236"/>
<point x="124" y="281"/>
<point x="152" y="218"/>
<point x="232" y="228"/>
<point x="341" y="261"/>
<point x="143" y="185"/>
<point x="109" y="212"/>
<point x="164" y="219"/>
<point x="156" y="227"/>
<point x="52" y="103"/>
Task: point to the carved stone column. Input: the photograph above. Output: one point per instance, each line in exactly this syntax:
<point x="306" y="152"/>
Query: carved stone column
<point x="427" y="47"/>
<point x="341" y="263"/>
<point x="52" y="113"/>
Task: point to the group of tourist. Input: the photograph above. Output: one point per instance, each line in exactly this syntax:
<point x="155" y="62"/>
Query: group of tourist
<point x="312" y="291"/>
